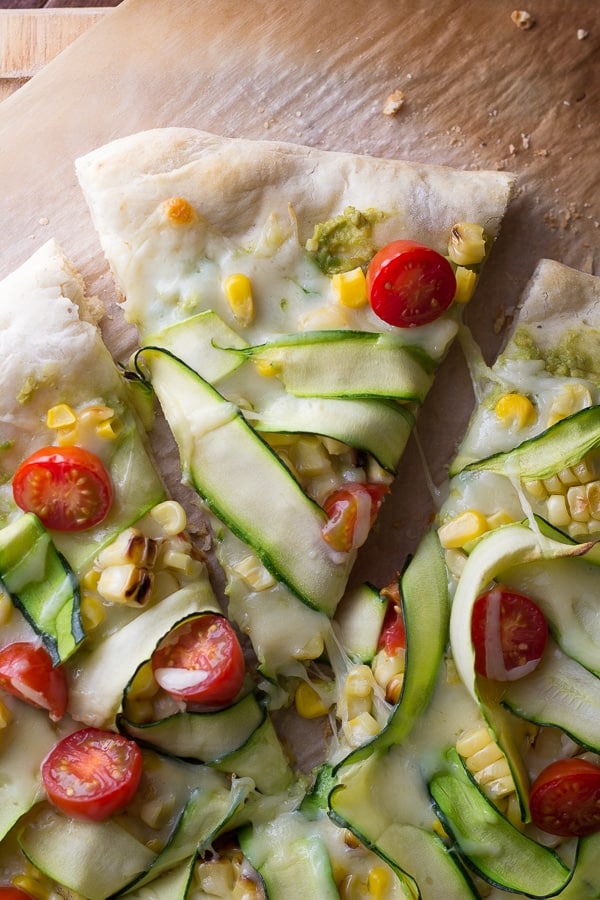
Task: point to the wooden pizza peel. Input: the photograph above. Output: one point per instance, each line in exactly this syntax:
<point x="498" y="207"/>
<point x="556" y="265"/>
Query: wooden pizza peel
<point x="479" y="91"/>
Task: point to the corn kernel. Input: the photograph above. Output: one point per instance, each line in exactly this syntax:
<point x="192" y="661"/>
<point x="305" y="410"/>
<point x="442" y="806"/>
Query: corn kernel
<point x="393" y="688"/>
<point x="350" y="288"/>
<point x="60" y="416"/>
<point x="466" y="279"/>
<point x="360" y="729"/>
<point x="378" y="882"/>
<point x="486" y="756"/>
<point x="171" y="517"/>
<point x="385" y="666"/>
<point x="254" y="573"/>
<point x="556" y="510"/>
<point x="179" y="211"/>
<point x="359" y="682"/>
<point x="472" y="740"/>
<point x="308" y="702"/>
<point x="554" y="485"/>
<point x="466" y="246"/>
<point x="438" y="828"/>
<point x="312" y="649"/>
<point x="92" y="611"/>
<point x="515" y="410"/>
<point x="125" y="584"/>
<point x="464" y="527"/>
<point x="156" y="812"/>
<point x="268" y="368"/>
<point x="6" y="606"/>
<point x="568" y="477"/>
<point x="536" y="489"/>
<point x="238" y="292"/>
<point x="498" y="788"/>
<point x="325" y="317"/>
<point x="143" y="685"/>
<point x="571" y="399"/>
<point x="592" y="490"/>
<point x="577" y="503"/>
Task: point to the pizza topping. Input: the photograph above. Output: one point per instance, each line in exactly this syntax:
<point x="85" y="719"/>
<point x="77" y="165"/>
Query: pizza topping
<point x="522" y="19"/>
<point x="509" y="634"/>
<point x="462" y="528"/>
<point x="516" y="411"/>
<point x="409" y="284"/>
<point x="89" y="427"/>
<point x="351" y="511"/>
<point x="394" y="103"/>
<point x="7" y="892"/>
<point x="344" y="242"/>
<point x="466" y="246"/>
<point x="486" y="762"/>
<point x="565" y="798"/>
<point x="92" y="774"/>
<point x="68" y="488"/>
<point x="350" y="288"/>
<point x="201" y="661"/>
<point x="238" y="292"/>
<point x="179" y="211"/>
<point x="26" y="672"/>
<point x="570" y="499"/>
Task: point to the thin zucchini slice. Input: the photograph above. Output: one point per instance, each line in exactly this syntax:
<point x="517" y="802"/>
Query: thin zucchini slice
<point x="495" y="849"/>
<point x="247" y="487"/>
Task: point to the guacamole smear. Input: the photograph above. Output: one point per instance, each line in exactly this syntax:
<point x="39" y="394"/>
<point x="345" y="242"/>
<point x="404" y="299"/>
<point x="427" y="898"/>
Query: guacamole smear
<point x="344" y="242"/>
<point x="576" y="354"/>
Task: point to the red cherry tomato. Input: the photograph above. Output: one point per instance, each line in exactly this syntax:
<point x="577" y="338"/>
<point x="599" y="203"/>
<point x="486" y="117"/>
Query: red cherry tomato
<point x="392" y="638"/>
<point x="201" y="661"/>
<point x="409" y="284"/>
<point x="351" y="511"/>
<point x="8" y="892"/>
<point x="509" y="633"/>
<point x="565" y="798"/>
<point x="68" y="488"/>
<point x="92" y="774"/>
<point x="26" y="672"/>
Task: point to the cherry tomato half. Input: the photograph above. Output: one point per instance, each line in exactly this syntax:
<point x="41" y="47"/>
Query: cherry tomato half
<point x="351" y="511"/>
<point x="68" y="488"/>
<point x="509" y="633"/>
<point x="409" y="284"/>
<point x="392" y="638"/>
<point x="26" y="672"/>
<point x="201" y="661"/>
<point x="8" y="892"/>
<point x="565" y="798"/>
<point x="92" y="774"/>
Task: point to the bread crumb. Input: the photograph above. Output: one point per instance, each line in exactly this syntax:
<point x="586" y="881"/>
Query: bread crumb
<point x="582" y="34"/>
<point x="525" y="141"/>
<point x="394" y="103"/>
<point x="522" y="19"/>
<point x="44" y="220"/>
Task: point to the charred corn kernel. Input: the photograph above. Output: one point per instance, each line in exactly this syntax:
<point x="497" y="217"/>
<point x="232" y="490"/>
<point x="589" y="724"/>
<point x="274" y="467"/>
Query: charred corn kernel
<point x="254" y="573"/>
<point x="515" y="411"/>
<point x="179" y="211"/>
<point x="466" y="279"/>
<point x="571" y="399"/>
<point x="556" y="510"/>
<point x="378" y="882"/>
<point x="171" y="517"/>
<point x="130" y="547"/>
<point x="393" y="688"/>
<point x="309" y="704"/>
<point x="61" y="416"/>
<point x="125" y="584"/>
<point x="466" y="246"/>
<point x="92" y="611"/>
<point x="360" y="729"/>
<point x="464" y="527"/>
<point x="238" y="292"/>
<point x="350" y="288"/>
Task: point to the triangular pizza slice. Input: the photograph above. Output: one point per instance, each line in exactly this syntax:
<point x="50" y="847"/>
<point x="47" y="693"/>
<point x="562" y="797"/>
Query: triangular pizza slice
<point x="293" y="305"/>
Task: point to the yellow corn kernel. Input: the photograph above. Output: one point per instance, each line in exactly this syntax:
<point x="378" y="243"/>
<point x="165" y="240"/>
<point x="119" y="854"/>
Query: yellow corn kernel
<point x="238" y="292"/>
<point x="6" y="606"/>
<point x="385" y="666"/>
<point x="310" y="457"/>
<point x="438" y="828"/>
<point x="464" y="527"/>
<point x="466" y="246"/>
<point x="37" y="887"/>
<point x="268" y="368"/>
<point x="360" y="729"/>
<point x="466" y="279"/>
<point x="393" y="688"/>
<point x="497" y="788"/>
<point x="92" y="611"/>
<point x="171" y="517"/>
<point x="129" y="547"/>
<point x="568" y="477"/>
<point x="309" y="704"/>
<point x="5" y="715"/>
<point x="359" y="682"/>
<point x="179" y="211"/>
<point x="515" y="411"/>
<point x="472" y="740"/>
<point x="378" y="882"/>
<point x="499" y="518"/>
<point x="332" y="316"/>
<point x="216" y="877"/>
<point x="577" y="503"/>
<point x="109" y="429"/>
<point x="254" y="573"/>
<point x="89" y="580"/>
<point x="60" y="416"/>
<point x="350" y="288"/>
<point x="536" y="489"/>
<point x="571" y="399"/>
<point x="143" y="685"/>
<point x="312" y="649"/>
<point x="485" y="757"/>
<point x="554" y="485"/>
<point x="556" y="510"/>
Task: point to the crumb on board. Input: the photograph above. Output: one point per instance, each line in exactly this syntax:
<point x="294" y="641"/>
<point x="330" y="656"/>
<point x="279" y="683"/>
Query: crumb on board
<point x="582" y="34"/>
<point x="522" y="19"/>
<point x="394" y="103"/>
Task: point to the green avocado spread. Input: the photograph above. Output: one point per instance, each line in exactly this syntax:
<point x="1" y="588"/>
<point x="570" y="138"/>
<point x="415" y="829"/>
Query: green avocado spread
<point x="344" y="242"/>
<point x="576" y="354"/>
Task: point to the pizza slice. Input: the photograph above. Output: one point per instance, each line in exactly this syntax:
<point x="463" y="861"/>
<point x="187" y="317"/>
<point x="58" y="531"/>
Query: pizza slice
<point x="125" y="701"/>
<point x="490" y="782"/>
<point x="293" y="306"/>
